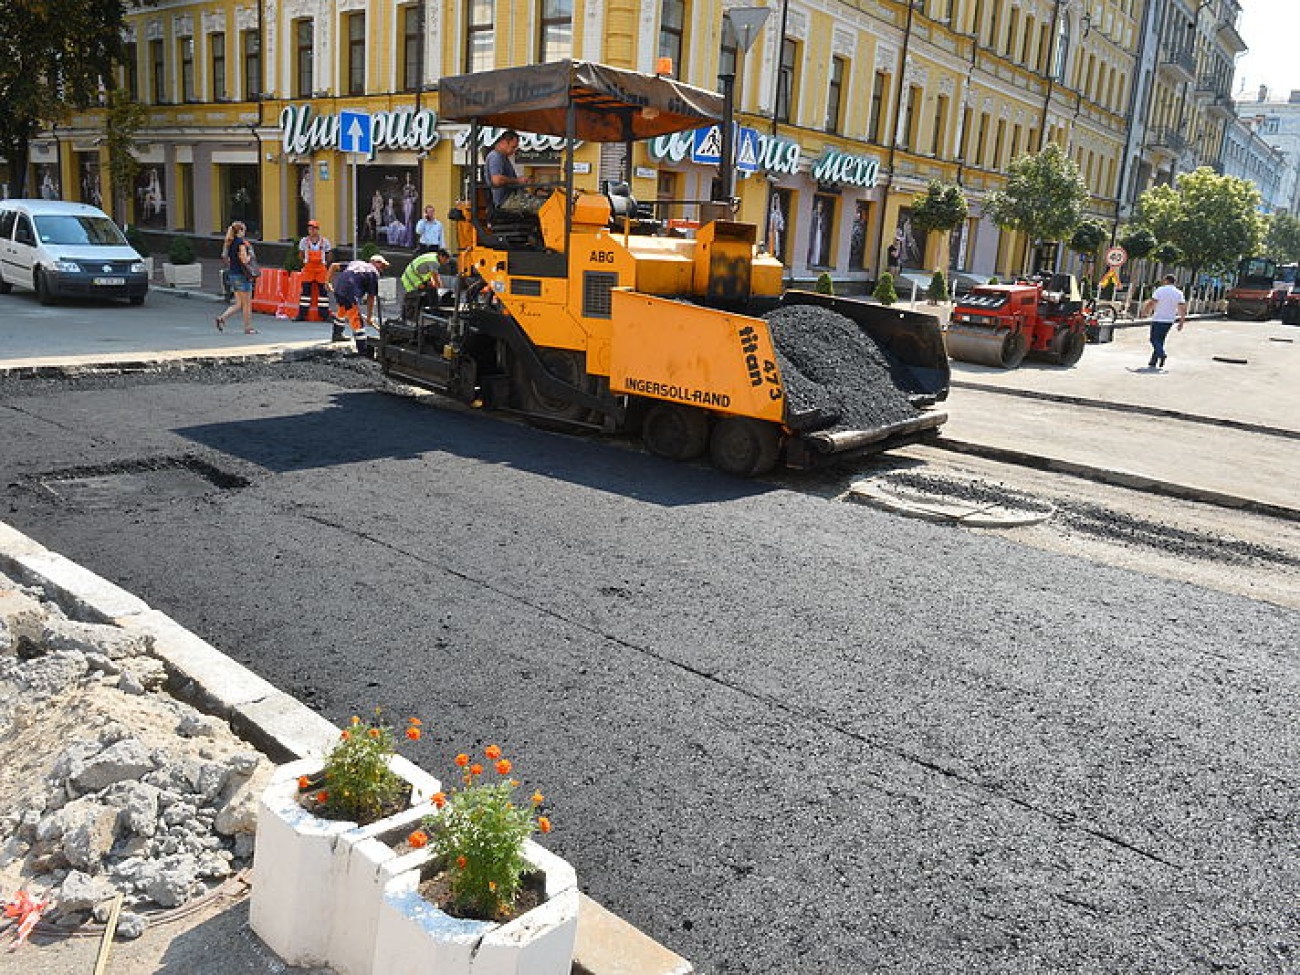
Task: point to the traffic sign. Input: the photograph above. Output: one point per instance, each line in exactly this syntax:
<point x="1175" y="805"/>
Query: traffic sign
<point x="1116" y="256"/>
<point x="707" y="149"/>
<point x="354" y="132"/>
<point x="747" y="150"/>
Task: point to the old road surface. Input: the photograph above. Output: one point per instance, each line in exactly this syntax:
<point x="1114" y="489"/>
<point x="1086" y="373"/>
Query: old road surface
<point x="781" y="734"/>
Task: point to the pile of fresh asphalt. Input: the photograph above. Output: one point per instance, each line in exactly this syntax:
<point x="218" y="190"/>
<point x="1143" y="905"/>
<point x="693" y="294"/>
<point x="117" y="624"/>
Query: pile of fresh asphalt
<point x="836" y="377"/>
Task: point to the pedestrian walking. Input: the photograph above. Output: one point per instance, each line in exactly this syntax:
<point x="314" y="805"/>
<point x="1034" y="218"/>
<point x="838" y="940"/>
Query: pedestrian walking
<point x="352" y="282"/>
<point x="892" y="259"/>
<point x="1167" y="306"/>
<point x="420" y="281"/>
<point x="429" y="234"/>
<point x="239" y="252"/>
<point x="315" y="251"/>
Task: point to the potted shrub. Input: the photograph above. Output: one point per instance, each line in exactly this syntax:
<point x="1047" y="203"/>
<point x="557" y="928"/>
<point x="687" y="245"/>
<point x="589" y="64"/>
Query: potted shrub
<point x="938" y="289"/>
<point x="181" y="270"/>
<point x="483" y="890"/>
<point x="824" y="285"/>
<point x="309" y="889"/>
<point x="885" y="293"/>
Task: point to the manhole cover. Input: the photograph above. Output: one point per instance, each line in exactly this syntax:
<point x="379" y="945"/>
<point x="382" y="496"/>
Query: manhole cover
<point x="133" y="483"/>
<point x="964" y="501"/>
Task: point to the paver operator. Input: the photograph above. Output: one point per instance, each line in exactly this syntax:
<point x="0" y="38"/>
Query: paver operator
<point x="315" y="251"/>
<point x="352" y="282"/>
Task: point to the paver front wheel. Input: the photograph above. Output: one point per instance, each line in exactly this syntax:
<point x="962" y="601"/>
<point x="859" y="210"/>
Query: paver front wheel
<point x="743" y="446"/>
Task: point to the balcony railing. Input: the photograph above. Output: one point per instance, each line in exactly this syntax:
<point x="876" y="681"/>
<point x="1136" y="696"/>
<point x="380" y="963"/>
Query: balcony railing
<point x="1170" y="139"/>
<point x="1181" y="62"/>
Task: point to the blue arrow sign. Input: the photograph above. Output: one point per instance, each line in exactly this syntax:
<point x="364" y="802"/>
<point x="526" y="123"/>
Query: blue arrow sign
<point x="354" y="132"/>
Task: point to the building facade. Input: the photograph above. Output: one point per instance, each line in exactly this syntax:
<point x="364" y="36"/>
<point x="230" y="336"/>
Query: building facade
<point x="848" y="109"/>
<point x="1276" y="123"/>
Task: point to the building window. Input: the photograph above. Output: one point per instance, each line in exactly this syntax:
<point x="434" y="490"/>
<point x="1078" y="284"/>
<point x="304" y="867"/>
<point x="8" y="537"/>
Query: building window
<point x="217" y="50"/>
<point x="480" y="39"/>
<point x="982" y="142"/>
<point x="157" y="72"/>
<point x="940" y="123"/>
<point x="1062" y="50"/>
<point x="876" y="121"/>
<point x="835" y="96"/>
<point x="412" y="47"/>
<point x="672" y="18"/>
<point x="556" y="41"/>
<point x="251" y="49"/>
<point x="977" y="18"/>
<point x="1013" y="28"/>
<point x="186" y="46"/>
<point x="356" y="53"/>
<point x="993" y="25"/>
<point x="304" y="53"/>
<point x="998" y="143"/>
<point x="821" y="231"/>
<point x="131" y="69"/>
<point x="908" y="140"/>
<point x="786" y="80"/>
<point x="965" y="133"/>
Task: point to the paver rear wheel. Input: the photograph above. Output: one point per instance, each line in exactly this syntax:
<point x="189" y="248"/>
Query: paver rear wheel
<point x="675" y="432"/>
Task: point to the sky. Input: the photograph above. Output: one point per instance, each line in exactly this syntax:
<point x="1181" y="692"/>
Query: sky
<point x="1271" y="29"/>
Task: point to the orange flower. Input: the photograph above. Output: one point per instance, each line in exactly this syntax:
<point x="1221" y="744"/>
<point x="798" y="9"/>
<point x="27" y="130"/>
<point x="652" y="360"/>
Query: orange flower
<point x="304" y="783"/>
<point x="537" y="798"/>
<point x="476" y="769"/>
<point x="419" y="839"/>
<point x="492" y="752"/>
<point x="543" y="824"/>
<point x="345" y="734"/>
<point x="439" y="799"/>
<point x="373" y="732"/>
<point x="415" y="721"/>
<point x="322" y="796"/>
<point x="462" y="760"/>
<point x="492" y="886"/>
<point x="413" y="733"/>
<point x="462" y="862"/>
<point x="503" y="767"/>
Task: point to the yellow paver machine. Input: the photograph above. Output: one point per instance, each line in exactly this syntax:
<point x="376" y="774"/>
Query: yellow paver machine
<point x="585" y="309"/>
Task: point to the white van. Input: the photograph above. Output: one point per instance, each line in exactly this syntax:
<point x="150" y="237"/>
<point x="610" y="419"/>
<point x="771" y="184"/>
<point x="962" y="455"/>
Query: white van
<point x="60" y="249"/>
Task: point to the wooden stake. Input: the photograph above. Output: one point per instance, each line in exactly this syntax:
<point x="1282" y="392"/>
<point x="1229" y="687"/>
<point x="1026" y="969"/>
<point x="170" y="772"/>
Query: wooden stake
<point x="106" y="943"/>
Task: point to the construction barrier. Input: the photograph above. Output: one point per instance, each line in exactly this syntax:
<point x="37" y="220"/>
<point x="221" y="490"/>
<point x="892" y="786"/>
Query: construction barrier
<point x="267" y="290"/>
<point x="291" y="299"/>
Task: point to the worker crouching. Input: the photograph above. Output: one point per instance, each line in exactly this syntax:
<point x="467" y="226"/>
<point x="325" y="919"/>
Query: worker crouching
<point x="353" y="282"/>
<point x="420" y="282"/>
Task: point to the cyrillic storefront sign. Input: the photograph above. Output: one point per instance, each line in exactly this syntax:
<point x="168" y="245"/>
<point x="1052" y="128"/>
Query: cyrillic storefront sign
<point x="303" y="131"/>
<point x="843" y="167"/>
<point x="775" y="155"/>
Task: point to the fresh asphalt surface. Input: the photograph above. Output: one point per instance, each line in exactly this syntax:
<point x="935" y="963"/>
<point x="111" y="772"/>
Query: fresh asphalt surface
<point x="780" y="734"/>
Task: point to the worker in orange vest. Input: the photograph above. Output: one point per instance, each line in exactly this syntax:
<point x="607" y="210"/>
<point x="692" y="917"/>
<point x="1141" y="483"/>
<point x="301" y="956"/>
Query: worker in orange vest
<point x="315" y="251"/>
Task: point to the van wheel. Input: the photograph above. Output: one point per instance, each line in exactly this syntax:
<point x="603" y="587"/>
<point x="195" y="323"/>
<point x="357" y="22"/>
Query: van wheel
<point x="43" y="293"/>
<point x="5" y="286"/>
<point x="137" y="299"/>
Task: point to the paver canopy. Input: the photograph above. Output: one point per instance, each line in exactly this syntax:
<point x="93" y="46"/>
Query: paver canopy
<point x="611" y="104"/>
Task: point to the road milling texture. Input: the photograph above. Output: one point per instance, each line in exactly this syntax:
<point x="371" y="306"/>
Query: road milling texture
<point x="781" y="735"/>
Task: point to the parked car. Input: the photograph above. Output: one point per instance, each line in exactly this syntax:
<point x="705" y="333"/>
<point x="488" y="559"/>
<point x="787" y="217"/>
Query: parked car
<point x="60" y="249"/>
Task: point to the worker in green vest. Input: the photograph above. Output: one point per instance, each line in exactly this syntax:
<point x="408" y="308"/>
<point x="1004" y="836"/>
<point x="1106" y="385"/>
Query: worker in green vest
<point x="420" y="282"/>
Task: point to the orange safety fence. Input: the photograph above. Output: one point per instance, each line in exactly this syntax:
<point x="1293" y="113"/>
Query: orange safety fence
<point x="267" y="290"/>
<point x="291" y="299"/>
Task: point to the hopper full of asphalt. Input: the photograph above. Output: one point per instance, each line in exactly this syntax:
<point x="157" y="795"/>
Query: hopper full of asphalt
<point x="836" y="377"/>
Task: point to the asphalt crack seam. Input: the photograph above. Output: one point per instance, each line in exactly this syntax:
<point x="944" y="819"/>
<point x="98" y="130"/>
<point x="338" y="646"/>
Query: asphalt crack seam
<point x="1063" y="822"/>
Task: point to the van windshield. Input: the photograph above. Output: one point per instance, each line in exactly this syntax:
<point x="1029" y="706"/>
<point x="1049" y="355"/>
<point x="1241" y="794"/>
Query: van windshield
<point x="68" y="228"/>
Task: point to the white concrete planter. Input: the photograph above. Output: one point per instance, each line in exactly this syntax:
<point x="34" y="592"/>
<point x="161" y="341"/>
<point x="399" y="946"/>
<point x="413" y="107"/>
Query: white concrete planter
<point x="416" y="938"/>
<point x="302" y="864"/>
<point x="182" y="275"/>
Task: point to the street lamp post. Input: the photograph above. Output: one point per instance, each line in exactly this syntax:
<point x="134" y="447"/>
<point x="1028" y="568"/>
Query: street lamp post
<point x="744" y="23"/>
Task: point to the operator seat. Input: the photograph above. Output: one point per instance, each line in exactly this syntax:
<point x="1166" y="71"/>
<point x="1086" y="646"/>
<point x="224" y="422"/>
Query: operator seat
<point x="622" y="205"/>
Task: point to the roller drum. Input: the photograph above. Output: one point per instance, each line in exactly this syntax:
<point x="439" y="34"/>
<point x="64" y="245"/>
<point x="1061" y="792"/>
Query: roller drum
<point x="1001" y="347"/>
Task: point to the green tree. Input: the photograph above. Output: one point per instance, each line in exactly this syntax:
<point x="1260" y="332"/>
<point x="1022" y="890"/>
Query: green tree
<point x="122" y="120"/>
<point x="54" y="57"/>
<point x="1138" y="242"/>
<point x="1283" y="239"/>
<point x="1043" y="198"/>
<point x="1212" y="219"/>
<point x="1088" y="238"/>
<point x="1169" y="254"/>
<point x="940" y="208"/>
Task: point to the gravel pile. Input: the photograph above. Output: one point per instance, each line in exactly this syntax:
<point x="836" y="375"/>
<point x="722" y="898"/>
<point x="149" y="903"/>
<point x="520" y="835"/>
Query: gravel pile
<point x="110" y="785"/>
<point x="835" y="376"/>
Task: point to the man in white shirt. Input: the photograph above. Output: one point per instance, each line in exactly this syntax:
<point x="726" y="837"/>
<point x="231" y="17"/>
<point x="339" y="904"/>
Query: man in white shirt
<point x="428" y="233"/>
<point x="1167" y="306"/>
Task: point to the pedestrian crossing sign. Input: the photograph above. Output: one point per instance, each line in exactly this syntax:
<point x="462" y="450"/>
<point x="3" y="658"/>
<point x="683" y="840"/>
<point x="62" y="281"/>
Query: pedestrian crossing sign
<point x="707" y="149"/>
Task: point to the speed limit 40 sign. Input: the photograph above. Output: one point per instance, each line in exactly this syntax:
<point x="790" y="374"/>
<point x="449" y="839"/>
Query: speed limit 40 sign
<point x="1116" y="256"/>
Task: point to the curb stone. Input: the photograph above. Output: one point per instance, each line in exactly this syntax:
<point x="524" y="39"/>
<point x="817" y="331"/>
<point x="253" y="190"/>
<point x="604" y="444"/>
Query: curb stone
<point x="182" y="362"/>
<point x="281" y="726"/>
<point x="1120" y="478"/>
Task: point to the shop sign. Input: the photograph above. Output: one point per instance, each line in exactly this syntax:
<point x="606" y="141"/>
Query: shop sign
<point x="773" y="154"/>
<point x="528" y="141"/>
<point x="842" y="167"/>
<point x="303" y="131"/>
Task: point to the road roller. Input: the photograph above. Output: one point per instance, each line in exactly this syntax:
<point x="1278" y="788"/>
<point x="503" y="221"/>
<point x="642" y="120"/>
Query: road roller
<point x="580" y="308"/>
<point x="1003" y="324"/>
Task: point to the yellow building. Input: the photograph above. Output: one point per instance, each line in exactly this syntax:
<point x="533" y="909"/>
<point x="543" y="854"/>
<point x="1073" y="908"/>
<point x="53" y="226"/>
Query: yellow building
<point x="847" y="109"/>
